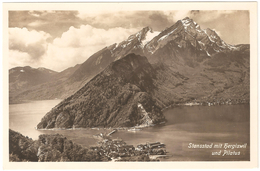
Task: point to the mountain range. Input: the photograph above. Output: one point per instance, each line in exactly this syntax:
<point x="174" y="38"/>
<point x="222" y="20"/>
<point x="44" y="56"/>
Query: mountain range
<point x="183" y="63"/>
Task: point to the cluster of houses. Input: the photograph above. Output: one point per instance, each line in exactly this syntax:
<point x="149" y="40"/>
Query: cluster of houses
<point x="118" y="148"/>
<point x="225" y="102"/>
<point x="217" y="102"/>
<point x="156" y="148"/>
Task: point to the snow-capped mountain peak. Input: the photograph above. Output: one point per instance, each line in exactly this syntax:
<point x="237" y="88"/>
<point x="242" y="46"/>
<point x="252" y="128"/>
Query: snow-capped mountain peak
<point x="187" y="22"/>
<point x="135" y="42"/>
<point x="187" y="30"/>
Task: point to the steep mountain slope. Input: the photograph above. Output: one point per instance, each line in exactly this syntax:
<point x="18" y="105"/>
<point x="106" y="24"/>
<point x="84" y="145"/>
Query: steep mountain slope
<point x="121" y="95"/>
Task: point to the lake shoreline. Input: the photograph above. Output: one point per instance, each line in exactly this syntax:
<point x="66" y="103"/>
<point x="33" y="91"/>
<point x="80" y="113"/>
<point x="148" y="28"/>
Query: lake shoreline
<point x="188" y="104"/>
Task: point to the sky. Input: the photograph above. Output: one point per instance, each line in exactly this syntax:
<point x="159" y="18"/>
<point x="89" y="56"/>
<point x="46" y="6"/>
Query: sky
<point x="58" y="40"/>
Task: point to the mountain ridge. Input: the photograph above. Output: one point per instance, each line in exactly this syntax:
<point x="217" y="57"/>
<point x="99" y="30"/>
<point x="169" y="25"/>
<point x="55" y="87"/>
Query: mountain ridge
<point x="198" y="55"/>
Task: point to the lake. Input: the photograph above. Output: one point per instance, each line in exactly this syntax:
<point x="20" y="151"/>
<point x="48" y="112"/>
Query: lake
<point x="186" y="126"/>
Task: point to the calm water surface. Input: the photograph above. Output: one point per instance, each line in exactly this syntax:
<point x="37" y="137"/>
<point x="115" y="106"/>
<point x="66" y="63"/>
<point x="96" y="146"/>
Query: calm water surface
<point x="185" y="124"/>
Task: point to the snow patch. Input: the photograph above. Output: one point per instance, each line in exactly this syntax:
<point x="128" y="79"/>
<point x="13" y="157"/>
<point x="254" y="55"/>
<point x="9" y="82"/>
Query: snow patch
<point x="201" y="43"/>
<point x="165" y="36"/>
<point x="149" y="36"/>
<point x="99" y="60"/>
<point x="215" y="50"/>
<point x="185" y="22"/>
<point x="149" y="49"/>
<point x="232" y="47"/>
<point x="207" y="53"/>
<point x="124" y="45"/>
<point x="115" y="46"/>
<point x="130" y="38"/>
<point x="199" y="31"/>
<point x="209" y="36"/>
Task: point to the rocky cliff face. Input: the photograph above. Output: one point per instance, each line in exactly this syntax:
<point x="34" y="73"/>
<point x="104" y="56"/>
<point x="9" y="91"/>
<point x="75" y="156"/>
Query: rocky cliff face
<point x="110" y="99"/>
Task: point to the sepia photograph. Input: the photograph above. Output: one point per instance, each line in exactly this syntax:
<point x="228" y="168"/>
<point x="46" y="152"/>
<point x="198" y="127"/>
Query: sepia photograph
<point x="123" y="83"/>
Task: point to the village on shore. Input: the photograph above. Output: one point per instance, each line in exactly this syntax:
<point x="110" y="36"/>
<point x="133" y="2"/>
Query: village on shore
<point x="214" y="102"/>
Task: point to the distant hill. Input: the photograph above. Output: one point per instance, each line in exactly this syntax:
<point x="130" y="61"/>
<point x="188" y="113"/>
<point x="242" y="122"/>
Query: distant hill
<point x="24" y="77"/>
<point x="26" y="83"/>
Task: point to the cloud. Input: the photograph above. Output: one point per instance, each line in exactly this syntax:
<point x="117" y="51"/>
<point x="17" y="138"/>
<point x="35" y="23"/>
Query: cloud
<point x="51" y="22"/>
<point x="77" y="44"/>
<point x="26" y="47"/>
<point x="73" y="47"/>
<point x="210" y="15"/>
<point x="37" y="23"/>
<point x="226" y="23"/>
<point x="178" y="15"/>
<point x="34" y="14"/>
<point x="158" y="20"/>
<point x="40" y="13"/>
<point x="31" y="42"/>
<point x="18" y="58"/>
<point x="87" y="35"/>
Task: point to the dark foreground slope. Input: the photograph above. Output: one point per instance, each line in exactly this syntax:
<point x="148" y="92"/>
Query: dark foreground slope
<point x="120" y="96"/>
<point x="48" y="148"/>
